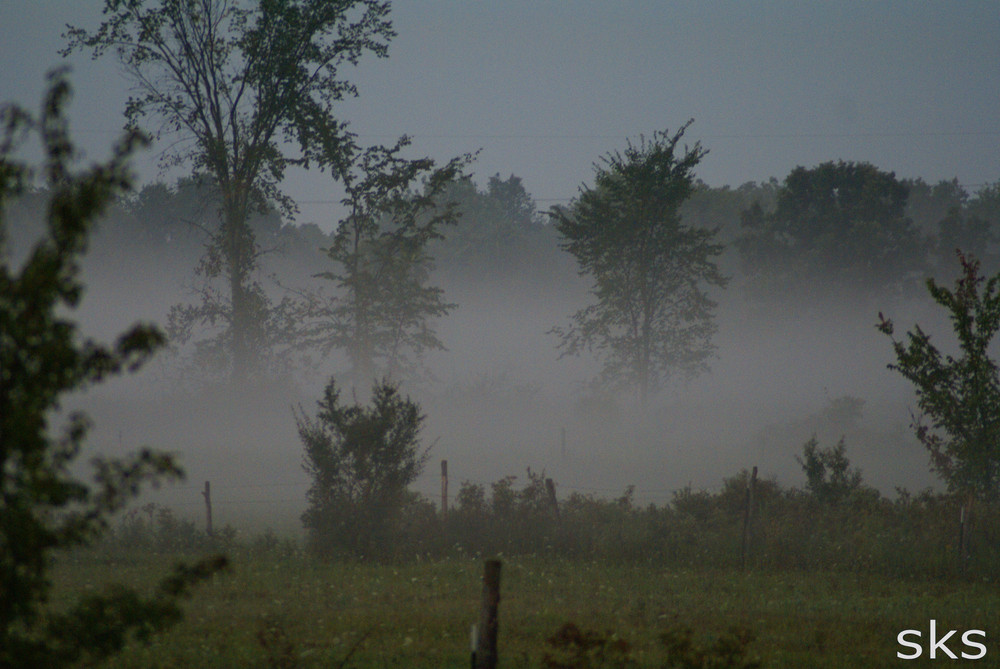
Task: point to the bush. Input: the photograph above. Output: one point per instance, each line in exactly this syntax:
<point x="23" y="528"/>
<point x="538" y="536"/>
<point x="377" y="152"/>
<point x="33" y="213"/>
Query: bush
<point x="829" y="476"/>
<point x="361" y="460"/>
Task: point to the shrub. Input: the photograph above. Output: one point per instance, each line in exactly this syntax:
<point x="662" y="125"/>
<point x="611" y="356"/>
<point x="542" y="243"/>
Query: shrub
<point x="829" y="476"/>
<point x="361" y="460"/>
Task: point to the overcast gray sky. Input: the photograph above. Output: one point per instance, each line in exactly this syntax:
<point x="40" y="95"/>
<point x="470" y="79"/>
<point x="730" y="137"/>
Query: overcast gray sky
<point x="546" y="88"/>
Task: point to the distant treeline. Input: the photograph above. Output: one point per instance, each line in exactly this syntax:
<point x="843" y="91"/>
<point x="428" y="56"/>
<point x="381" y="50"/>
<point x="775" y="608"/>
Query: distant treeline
<point x="882" y="235"/>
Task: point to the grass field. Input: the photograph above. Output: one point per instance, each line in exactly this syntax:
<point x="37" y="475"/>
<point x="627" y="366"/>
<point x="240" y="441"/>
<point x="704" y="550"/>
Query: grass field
<point x="274" y="610"/>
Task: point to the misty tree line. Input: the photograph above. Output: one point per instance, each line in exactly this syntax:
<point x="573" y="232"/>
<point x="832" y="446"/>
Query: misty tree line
<point x="813" y="234"/>
<point x="252" y="90"/>
<point x="249" y="90"/>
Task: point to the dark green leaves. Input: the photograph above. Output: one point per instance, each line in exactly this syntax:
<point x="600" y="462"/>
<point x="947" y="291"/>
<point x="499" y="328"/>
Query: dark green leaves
<point x="960" y="396"/>
<point x="43" y="506"/>
<point x="652" y="316"/>
<point x="361" y="459"/>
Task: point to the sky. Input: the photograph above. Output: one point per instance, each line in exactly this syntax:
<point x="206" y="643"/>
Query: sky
<point x="543" y="89"/>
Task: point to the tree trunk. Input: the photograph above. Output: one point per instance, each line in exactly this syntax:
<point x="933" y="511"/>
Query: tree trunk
<point x="238" y="247"/>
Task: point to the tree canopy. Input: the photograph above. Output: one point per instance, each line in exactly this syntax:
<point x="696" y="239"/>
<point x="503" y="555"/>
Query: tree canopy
<point x="838" y="225"/>
<point x="500" y="237"/>
<point x="361" y="460"/>
<point x="652" y="316"/>
<point x="247" y="89"/>
<point x="382" y="312"/>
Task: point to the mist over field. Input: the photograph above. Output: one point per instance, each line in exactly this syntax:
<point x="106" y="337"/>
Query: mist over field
<point x="543" y="104"/>
<point x="499" y="400"/>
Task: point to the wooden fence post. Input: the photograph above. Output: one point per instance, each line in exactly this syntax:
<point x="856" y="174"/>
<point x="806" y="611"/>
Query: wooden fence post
<point x="962" y="539"/>
<point x="550" y="488"/>
<point x="444" y="488"/>
<point x="207" y="494"/>
<point x="747" y="517"/>
<point x="486" y="644"/>
<point x="473" y="640"/>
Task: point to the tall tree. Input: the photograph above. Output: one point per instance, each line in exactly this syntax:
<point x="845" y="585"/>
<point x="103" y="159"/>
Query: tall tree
<point x="840" y="225"/>
<point x="653" y="316"/>
<point x="45" y="507"/>
<point x="959" y="396"/>
<point x="382" y="312"/>
<point x="240" y="84"/>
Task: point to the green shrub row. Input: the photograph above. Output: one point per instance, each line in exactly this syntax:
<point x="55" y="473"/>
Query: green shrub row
<point x="858" y="530"/>
<point x="789" y="528"/>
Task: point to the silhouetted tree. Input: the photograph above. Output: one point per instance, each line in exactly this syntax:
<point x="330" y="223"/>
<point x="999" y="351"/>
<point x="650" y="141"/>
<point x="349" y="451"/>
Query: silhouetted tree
<point x="237" y="84"/>
<point x="382" y="312"/>
<point x="652" y="316"/>
<point x="838" y="225"/>
<point x="361" y="460"/>
<point x="44" y="506"/>
<point x="959" y="396"/>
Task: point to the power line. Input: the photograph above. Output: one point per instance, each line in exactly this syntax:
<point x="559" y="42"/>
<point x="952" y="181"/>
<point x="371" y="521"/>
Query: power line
<point x="763" y="135"/>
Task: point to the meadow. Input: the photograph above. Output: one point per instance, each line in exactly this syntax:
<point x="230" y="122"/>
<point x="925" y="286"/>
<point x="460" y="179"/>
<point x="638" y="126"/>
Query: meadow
<point x="279" y="607"/>
<point x="825" y="576"/>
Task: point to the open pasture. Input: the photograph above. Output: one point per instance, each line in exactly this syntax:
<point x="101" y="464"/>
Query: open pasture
<point x="288" y="610"/>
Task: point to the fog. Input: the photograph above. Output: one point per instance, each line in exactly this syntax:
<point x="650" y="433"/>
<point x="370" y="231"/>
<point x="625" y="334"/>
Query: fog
<point x="500" y="400"/>
<point x="545" y="89"/>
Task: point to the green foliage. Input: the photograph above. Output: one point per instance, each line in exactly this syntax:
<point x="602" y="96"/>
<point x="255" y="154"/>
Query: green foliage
<point x="381" y="314"/>
<point x="829" y="477"/>
<point x="361" y="460"/>
<point x="652" y="316"/>
<point x="725" y="651"/>
<point x="499" y="237"/>
<point x="237" y="84"/>
<point x="44" y="507"/>
<point x="573" y="648"/>
<point x="959" y="220"/>
<point x="843" y="527"/>
<point x="722" y="207"/>
<point x="839" y="224"/>
<point x="156" y="528"/>
<point x="362" y="615"/>
<point x="960" y="396"/>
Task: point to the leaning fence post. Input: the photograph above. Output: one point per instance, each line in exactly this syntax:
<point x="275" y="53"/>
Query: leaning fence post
<point x="747" y="516"/>
<point x="486" y="645"/>
<point x="207" y="494"/>
<point x="550" y="488"/>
